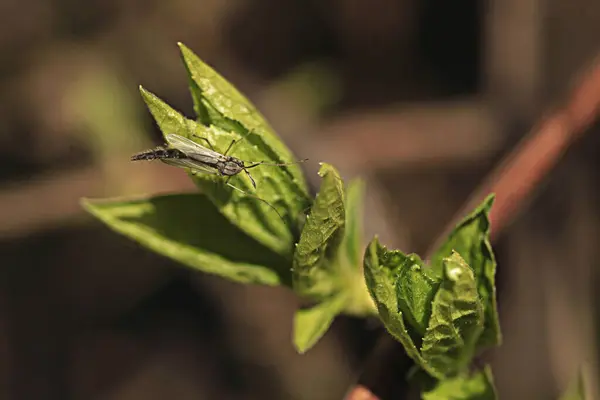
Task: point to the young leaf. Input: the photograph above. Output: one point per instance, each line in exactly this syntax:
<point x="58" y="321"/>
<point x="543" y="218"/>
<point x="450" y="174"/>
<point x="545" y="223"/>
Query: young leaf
<point x="352" y="242"/>
<point x="479" y="386"/>
<point x="310" y="324"/>
<point x="313" y="271"/>
<point x="218" y="102"/>
<point x="456" y="320"/>
<point x="471" y="239"/>
<point x="189" y="229"/>
<point x="380" y="268"/>
<point x="348" y="262"/>
<point x="415" y="289"/>
<point x="576" y="389"/>
<point x="274" y="185"/>
<point x="325" y="263"/>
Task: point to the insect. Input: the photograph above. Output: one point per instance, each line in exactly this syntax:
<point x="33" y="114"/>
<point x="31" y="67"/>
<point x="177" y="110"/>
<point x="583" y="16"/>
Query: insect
<point x="185" y="153"/>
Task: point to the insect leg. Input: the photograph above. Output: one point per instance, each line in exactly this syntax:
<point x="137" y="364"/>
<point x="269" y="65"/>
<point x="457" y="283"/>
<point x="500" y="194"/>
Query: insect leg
<point x="211" y="146"/>
<point x="206" y="140"/>
<point x="251" y="178"/>
<point x="258" y="198"/>
<point x="237" y="141"/>
<point x="230" y="146"/>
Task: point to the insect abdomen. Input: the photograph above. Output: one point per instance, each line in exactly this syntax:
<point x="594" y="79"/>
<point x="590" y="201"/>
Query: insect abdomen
<point x="157" y="154"/>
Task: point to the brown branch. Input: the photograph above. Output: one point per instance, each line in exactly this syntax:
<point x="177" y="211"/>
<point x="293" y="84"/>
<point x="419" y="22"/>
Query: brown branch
<point x="469" y="125"/>
<point x="513" y="181"/>
<point x="51" y="199"/>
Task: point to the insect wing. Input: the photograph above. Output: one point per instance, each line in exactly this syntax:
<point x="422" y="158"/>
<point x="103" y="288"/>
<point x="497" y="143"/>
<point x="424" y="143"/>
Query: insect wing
<point x="194" y="150"/>
<point x="188" y="146"/>
<point x="191" y="164"/>
<point x="181" y="143"/>
<point x="199" y="158"/>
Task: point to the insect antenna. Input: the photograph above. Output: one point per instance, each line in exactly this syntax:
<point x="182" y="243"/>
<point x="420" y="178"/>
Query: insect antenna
<point x="266" y="163"/>
<point x="258" y="198"/>
<point x="275" y="164"/>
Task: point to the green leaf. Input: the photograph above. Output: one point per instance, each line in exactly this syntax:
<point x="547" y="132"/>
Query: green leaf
<point x="471" y="239"/>
<point x="479" y="386"/>
<point x="352" y="242"/>
<point x="415" y="289"/>
<point x="576" y="389"/>
<point x="310" y="324"/>
<point x="314" y="274"/>
<point x="189" y="229"/>
<point x="348" y="262"/>
<point x="218" y="102"/>
<point x="380" y="269"/>
<point x="456" y="320"/>
<point x="274" y="184"/>
<point x="325" y="264"/>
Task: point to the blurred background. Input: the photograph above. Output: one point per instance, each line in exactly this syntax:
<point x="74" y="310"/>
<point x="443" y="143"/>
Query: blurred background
<point x="420" y="98"/>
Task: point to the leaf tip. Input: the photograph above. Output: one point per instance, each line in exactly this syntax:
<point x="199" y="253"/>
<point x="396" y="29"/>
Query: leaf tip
<point x="146" y="95"/>
<point x="86" y="204"/>
<point x="188" y="57"/>
<point x="325" y="168"/>
<point x="300" y="342"/>
<point x="489" y="201"/>
<point x="321" y="164"/>
<point x="310" y="324"/>
<point x="375" y="240"/>
<point x="183" y="48"/>
<point x="299" y="348"/>
<point x="185" y="52"/>
<point x="90" y="207"/>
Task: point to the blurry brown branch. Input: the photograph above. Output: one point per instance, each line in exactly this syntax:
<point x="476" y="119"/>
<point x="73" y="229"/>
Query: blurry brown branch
<point x="408" y="136"/>
<point x="523" y="169"/>
<point x="48" y="200"/>
<point x="513" y="181"/>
